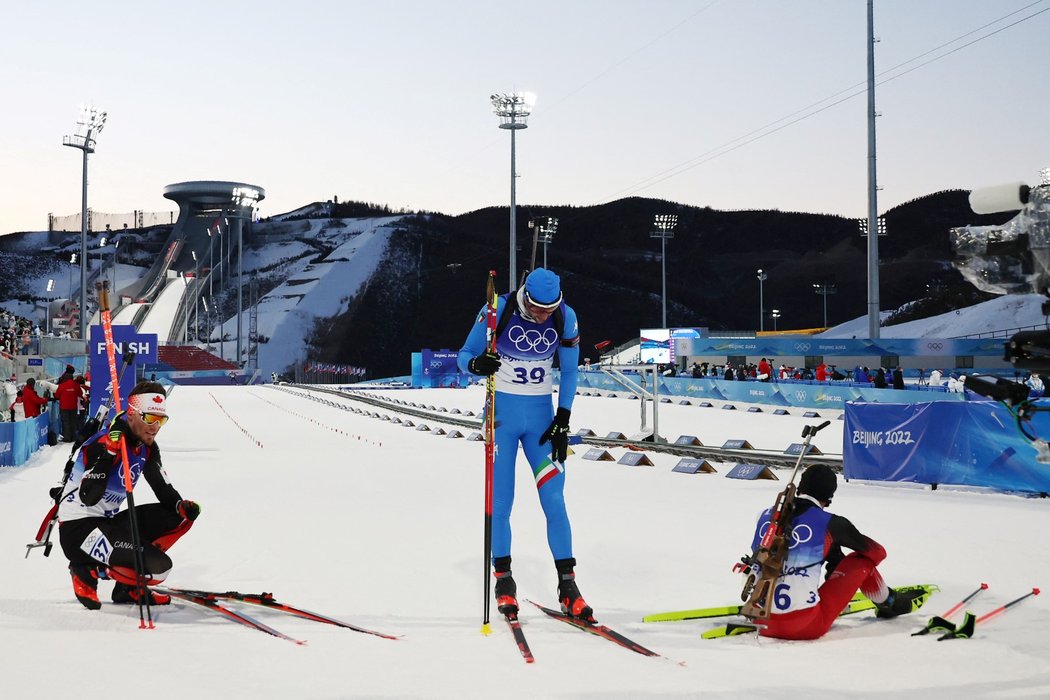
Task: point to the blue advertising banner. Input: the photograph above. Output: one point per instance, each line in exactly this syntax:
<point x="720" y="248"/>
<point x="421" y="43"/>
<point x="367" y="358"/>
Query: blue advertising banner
<point x="801" y="394"/>
<point x="124" y="338"/>
<point x="974" y="443"/>
<point x="18" y="441"/>
<point x="7" y="444"/>
<point x="438" y="368"/>
<point x="775" y="346"/>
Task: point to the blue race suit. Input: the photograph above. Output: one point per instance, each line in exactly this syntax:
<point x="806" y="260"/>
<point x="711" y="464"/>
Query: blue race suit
<point x="523" y="412"/>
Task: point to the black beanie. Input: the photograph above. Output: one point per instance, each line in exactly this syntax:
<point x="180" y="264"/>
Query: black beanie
<point x="818" y="481"/>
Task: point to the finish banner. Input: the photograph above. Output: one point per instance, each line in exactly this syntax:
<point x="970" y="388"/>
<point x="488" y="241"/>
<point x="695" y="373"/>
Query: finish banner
<point x="973" y="443"/>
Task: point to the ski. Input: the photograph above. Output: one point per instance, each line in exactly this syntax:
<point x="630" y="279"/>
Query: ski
<point x="519" y="637"/>
<point x="732" y="629"/>
<point x="597" y="630"/>
<point x="267" y="600"/>
<point x="705" y="613"/>
<point x="213" y="606"/>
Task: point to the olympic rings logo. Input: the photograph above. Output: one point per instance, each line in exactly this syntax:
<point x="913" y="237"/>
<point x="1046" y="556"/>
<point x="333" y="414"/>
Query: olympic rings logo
<point x="934" y="346"/>
<point x="800" y="534"/>
<point x="802" y="347"/>
<point x="800" y="396"/>
<point x="532" y="340"/>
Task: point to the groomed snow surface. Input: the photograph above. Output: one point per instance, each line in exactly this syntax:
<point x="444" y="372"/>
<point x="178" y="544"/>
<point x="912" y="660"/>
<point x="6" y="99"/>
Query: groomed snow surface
<point x="381" y="525"/>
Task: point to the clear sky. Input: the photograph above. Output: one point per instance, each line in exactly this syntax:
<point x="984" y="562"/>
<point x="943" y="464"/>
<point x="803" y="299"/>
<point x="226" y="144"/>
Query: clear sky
<point x="389" y="101"/>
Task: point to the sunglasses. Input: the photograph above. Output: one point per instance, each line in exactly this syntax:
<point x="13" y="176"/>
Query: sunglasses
<point x="153" y="419"/>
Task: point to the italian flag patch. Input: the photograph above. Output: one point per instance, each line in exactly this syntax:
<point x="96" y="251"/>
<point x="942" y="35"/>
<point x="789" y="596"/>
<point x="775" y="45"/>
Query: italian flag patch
<point x="546" y="471"/>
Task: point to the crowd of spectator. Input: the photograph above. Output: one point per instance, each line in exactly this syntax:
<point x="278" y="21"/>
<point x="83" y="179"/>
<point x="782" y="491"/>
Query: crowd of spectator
<point x="18" y="335"/>
<point x="70" y="391"/>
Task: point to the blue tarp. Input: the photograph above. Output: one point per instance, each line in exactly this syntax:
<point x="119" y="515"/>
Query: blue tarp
<point x="974" y="443"/>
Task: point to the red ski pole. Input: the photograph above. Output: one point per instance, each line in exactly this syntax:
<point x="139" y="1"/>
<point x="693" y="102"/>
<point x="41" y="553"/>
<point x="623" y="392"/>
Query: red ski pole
<point x="129" y="484"/>
<point x="1003" y="608"/>
<point x="491" y="299"/>
<point x="955" y="608"/>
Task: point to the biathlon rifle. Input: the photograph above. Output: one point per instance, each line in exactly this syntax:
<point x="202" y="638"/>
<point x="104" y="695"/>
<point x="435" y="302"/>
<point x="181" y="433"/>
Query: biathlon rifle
<point x="766" y="563"/>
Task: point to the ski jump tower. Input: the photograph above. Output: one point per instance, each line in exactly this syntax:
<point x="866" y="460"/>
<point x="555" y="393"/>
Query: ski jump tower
<point x="208" y="236"/>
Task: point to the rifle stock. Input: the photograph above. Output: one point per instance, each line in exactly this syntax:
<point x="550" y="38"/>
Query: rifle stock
<point x="767" y="561"/>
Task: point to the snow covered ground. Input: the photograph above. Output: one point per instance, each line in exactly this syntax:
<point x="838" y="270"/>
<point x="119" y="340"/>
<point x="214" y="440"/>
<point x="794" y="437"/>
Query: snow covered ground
<point x="382" y="525"/>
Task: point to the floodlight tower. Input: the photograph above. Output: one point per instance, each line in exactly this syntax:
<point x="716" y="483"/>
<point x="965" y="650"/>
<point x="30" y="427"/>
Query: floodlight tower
<point x="824" y="290"/>
<point x="513" y="110"/>
<point x="663" y="228"/>
<point x="89" y="125"/>
<point x="762" y="277"/>
<point x="873" y="209"/>
<point x="774" y="314"/>
<point x="50" y="293"/>
<point x="546" y="227"/>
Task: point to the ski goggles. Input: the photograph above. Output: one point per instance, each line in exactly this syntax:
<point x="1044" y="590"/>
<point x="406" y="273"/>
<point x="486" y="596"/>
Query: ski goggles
<point x="543" y="307"/>
<point x="153" y="419"/>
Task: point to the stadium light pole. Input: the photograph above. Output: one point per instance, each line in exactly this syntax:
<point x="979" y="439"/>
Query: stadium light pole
<point x="547" y="235"/>
<point x="513" y="109"/>
<point x="663" y="228"/>
<point x="72" y="262"/>
<point x="50" y="293"/>
<point x="824" y="290"/>
<point x="89" y="125"/>
<point x="762" y="277"/>
<point x="774" y="314"/>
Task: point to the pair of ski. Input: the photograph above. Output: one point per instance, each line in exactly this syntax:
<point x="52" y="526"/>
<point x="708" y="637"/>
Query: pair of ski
<point x="595" y="628"/>
<point x="213" y="601"/>
<point x="859" y="603"/>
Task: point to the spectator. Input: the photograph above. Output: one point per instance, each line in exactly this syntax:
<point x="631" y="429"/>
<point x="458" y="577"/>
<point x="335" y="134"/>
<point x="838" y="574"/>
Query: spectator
<point x="880" y="379"/>
<point x="69" y="395"/>
<point x="935" y="378"/>
<point x="861" y="375"/>
<point x="765" y="370"/>
<point x="822" y="372"/>
<point x="32" y="402"/>
<point x="898" y="378"/>
<point x="697" y="371"/>
<point x="8" y="394"/>
<point x="18" y="409"/>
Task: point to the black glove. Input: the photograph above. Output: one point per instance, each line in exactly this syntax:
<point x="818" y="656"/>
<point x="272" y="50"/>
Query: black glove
<point x="558" y="435"/>
<point x="188" y="509"/>
<point x="486" y="364"/>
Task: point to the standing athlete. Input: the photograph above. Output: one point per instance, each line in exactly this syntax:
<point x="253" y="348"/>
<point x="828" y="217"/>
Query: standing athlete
<point x="95" y="534"/>
<point x="534" y="325"/>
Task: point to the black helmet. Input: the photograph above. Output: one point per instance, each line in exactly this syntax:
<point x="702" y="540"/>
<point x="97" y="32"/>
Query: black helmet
<point x="818" y="481"/>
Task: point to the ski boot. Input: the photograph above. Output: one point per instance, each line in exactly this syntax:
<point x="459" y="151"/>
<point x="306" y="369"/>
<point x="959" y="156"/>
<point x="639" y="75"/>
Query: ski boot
<point x="506" y="589"/>
<point x="902" y="601"/>
<point x="123" y="593"/>
<point x="572" y="602"/>
<point x="85" y="585"/>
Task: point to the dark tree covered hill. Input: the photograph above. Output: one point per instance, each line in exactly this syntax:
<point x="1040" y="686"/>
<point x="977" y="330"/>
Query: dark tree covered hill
<point x="432" y="282"/>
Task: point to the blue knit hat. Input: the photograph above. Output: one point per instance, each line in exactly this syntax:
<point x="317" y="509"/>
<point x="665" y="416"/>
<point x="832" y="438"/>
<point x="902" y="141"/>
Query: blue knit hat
<point x="543" y="288"/>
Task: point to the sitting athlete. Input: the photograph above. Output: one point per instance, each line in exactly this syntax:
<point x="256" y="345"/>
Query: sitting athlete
<point x="95" y="533"/>
<point x="805" y="608"/>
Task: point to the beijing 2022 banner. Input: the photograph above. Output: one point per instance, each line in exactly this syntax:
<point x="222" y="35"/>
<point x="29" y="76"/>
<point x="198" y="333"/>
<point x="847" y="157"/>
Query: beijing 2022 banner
<point x="974" y="443"/>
